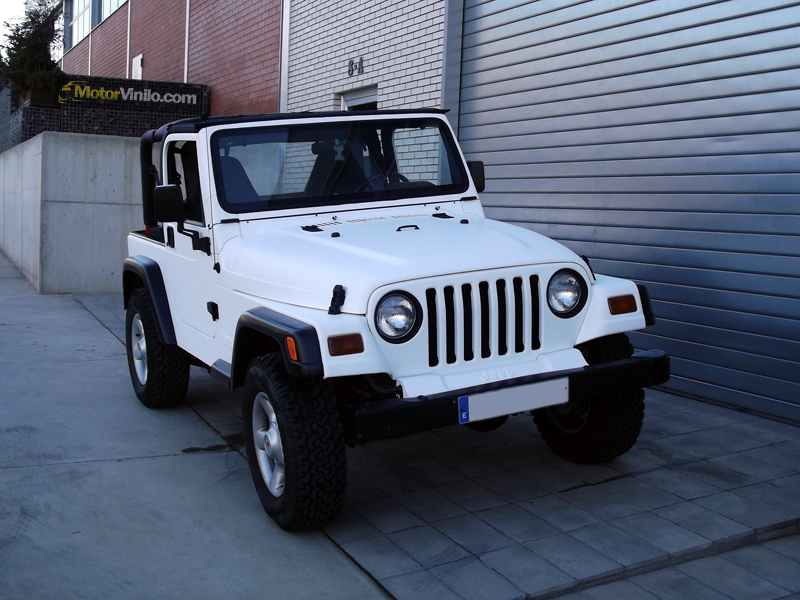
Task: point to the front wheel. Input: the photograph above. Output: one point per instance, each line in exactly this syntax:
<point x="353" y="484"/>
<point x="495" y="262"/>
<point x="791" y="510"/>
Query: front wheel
<point x="601" y="428"/>
<point x="159" y="372"/>
<point x="295" y="446"/>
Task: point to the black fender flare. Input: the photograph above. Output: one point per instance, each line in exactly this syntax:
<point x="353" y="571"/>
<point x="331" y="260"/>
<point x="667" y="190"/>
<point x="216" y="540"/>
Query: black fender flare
<point x="647" y="306"/>
<point x="248" y="344"/>
<point x="140" y="271"/>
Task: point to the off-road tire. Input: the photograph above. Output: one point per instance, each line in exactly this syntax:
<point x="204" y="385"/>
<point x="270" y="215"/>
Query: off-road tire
<point x="602" y="428"/>
<point x="312" y="438"/>
<point x="167" y="376"/>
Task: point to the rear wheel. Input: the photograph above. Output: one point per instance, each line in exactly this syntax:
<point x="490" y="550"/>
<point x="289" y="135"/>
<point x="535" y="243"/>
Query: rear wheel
<point x="159" y="372"/>
<point x="295" y="445"/>
<point x="597" y="429"/>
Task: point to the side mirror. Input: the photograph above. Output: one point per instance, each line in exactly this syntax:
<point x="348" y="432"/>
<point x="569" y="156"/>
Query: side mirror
<point x="168" y="204"/>
<point x="478" y="176"/>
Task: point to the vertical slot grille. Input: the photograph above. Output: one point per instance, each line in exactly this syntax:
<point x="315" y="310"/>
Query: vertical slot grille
<point x="433" y="341"/>
<point x="450" y="324"/>
<point x="486" y="349"/>
<point x="502" y="318"/>
<point x="479" y="323"/>
<point x="535" y="342"/>
<point x="519" y="324"/>
<point x="466" y="297"/>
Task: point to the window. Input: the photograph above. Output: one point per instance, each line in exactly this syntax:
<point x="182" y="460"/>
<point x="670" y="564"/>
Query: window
<point x="81" y="23"/>
<point x="364" y="106"/>
<point x="182" y="170"/>
<point x="305" y="165"/>
<point x="81" y="16"/>
<point x="109" y="6"/>
<point x="418" y="153"/>
<point x="365" y="98"/>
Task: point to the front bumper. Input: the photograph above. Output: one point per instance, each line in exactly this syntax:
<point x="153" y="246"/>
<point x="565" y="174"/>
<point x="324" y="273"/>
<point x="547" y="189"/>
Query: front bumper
<point x="383" y="419"/>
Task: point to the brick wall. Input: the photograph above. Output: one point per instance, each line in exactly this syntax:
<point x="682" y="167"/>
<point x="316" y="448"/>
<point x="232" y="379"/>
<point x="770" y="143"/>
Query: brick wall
<point x="76" y="61"/>
<point x="157" y="31"/>
<point x="109" y="45"/>
<point x="401" y="43"/>
<point x="235" y="48"/>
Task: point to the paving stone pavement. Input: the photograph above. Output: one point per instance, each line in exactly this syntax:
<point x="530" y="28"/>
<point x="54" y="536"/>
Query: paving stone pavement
<point x="767" y="570"/>
<point x="103" y="498"/>
<point x="704" y="506"/>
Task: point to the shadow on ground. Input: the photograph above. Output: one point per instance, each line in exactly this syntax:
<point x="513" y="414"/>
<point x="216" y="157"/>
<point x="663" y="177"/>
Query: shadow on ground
<point x="458" y="514"/>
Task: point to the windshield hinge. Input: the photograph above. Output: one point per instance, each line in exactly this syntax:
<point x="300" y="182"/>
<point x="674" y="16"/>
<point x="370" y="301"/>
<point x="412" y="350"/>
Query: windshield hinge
<point x="198" y="243"/>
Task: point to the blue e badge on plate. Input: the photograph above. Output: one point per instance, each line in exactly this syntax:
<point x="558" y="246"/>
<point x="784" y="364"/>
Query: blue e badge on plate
<point x="463" y="409"/>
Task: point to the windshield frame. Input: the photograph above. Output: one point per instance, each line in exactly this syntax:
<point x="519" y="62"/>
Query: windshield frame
<point x="272" y="204"/>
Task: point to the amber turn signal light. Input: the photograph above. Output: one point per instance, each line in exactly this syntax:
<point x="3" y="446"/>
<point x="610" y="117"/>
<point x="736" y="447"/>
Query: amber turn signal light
<point x="621" y="305"/>
<point x="340" y="345"/>
<point x="290" y="346"/>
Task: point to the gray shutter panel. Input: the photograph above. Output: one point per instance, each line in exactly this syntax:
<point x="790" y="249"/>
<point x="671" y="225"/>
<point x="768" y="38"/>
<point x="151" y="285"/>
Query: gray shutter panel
<point x="661" y="139"/>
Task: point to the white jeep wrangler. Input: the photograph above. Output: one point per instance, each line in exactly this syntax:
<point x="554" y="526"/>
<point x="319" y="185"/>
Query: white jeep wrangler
<point x="339" y="267"/>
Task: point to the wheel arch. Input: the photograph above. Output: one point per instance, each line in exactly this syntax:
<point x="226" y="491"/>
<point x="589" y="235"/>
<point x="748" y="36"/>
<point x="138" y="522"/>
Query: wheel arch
<point x="262" y="330"/>
<point x="142" y="272"/>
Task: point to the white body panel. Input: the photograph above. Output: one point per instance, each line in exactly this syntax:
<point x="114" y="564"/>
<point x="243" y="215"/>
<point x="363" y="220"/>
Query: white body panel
<point x="267" y="260"/>
<point x="284" y="262"/>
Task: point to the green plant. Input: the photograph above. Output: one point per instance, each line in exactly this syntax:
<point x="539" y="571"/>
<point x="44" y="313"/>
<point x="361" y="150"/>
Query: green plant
<point x="25" y="58"/>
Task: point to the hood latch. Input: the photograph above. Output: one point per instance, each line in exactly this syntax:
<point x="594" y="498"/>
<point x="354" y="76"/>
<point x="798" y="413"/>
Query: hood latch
<point x="337" y="301"/>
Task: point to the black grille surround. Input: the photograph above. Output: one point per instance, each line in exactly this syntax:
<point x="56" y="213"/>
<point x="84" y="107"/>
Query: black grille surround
<point x="489" y="319"/>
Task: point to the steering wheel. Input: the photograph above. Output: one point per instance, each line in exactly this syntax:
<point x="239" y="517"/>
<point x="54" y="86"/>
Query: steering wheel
<point x="361" y="187"/>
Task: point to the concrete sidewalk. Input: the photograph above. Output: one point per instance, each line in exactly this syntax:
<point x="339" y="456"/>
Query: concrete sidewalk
<point x="103" y="498"/>
<point x="458" y="514"/>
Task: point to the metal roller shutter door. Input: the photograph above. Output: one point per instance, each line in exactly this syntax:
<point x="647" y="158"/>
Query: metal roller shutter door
<point x="661" y="139"/>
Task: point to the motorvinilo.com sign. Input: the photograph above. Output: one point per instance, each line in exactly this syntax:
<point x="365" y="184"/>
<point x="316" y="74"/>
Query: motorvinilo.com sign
<point x="79" y="91"/>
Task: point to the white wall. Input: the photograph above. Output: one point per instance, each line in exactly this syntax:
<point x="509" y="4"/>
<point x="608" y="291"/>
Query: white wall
<point x="401" y="43"/>
<point x="67" y="202"/>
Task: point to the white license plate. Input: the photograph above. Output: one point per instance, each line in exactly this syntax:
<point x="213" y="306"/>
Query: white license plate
<point x="479" y="407"/>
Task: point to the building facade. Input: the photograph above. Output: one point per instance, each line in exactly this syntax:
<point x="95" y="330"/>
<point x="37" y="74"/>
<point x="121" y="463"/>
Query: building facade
<point x="660" y="139"/>
<point x="657" y="138"/>
<point x="234" y="50"/>
<point x="350" y="55"/>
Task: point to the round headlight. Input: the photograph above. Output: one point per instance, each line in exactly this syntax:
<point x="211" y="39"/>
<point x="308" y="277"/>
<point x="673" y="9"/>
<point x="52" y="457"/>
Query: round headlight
<point x="396" y="317"/>
<point x="566" y="293"/>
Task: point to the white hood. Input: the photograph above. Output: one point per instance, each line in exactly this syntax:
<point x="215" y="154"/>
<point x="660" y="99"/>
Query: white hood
<point x="370" y="253"/>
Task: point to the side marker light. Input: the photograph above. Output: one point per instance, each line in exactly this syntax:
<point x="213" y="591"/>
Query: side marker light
<point x="341" y="345"/>
<point x="622" y="305"/>
<point x="290" y="346"/>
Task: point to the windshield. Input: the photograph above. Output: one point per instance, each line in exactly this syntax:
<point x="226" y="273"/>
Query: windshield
<point x="320" y="164"/>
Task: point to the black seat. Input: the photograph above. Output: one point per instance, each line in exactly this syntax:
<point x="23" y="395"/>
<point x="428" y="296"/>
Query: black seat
<point x="236" y="184"/>
<point x="194" y="197"/>
<point x="322" y="170"/>
<point x="335" y="172"/>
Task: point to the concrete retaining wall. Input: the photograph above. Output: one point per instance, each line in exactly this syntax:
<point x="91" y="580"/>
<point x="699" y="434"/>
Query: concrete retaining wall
<point x="67" y="201"/>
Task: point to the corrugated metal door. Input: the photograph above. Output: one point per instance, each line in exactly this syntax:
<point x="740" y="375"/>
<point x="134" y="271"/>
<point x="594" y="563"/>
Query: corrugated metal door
<point x="661" y="139"/>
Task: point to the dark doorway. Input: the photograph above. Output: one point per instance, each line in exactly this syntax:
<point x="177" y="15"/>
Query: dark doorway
<point x="364" y="106"/>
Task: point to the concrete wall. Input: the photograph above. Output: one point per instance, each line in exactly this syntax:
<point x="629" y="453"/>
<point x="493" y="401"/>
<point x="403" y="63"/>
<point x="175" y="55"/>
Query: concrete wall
<point x="66" y="204"/>
<point x="20" y="214"/>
